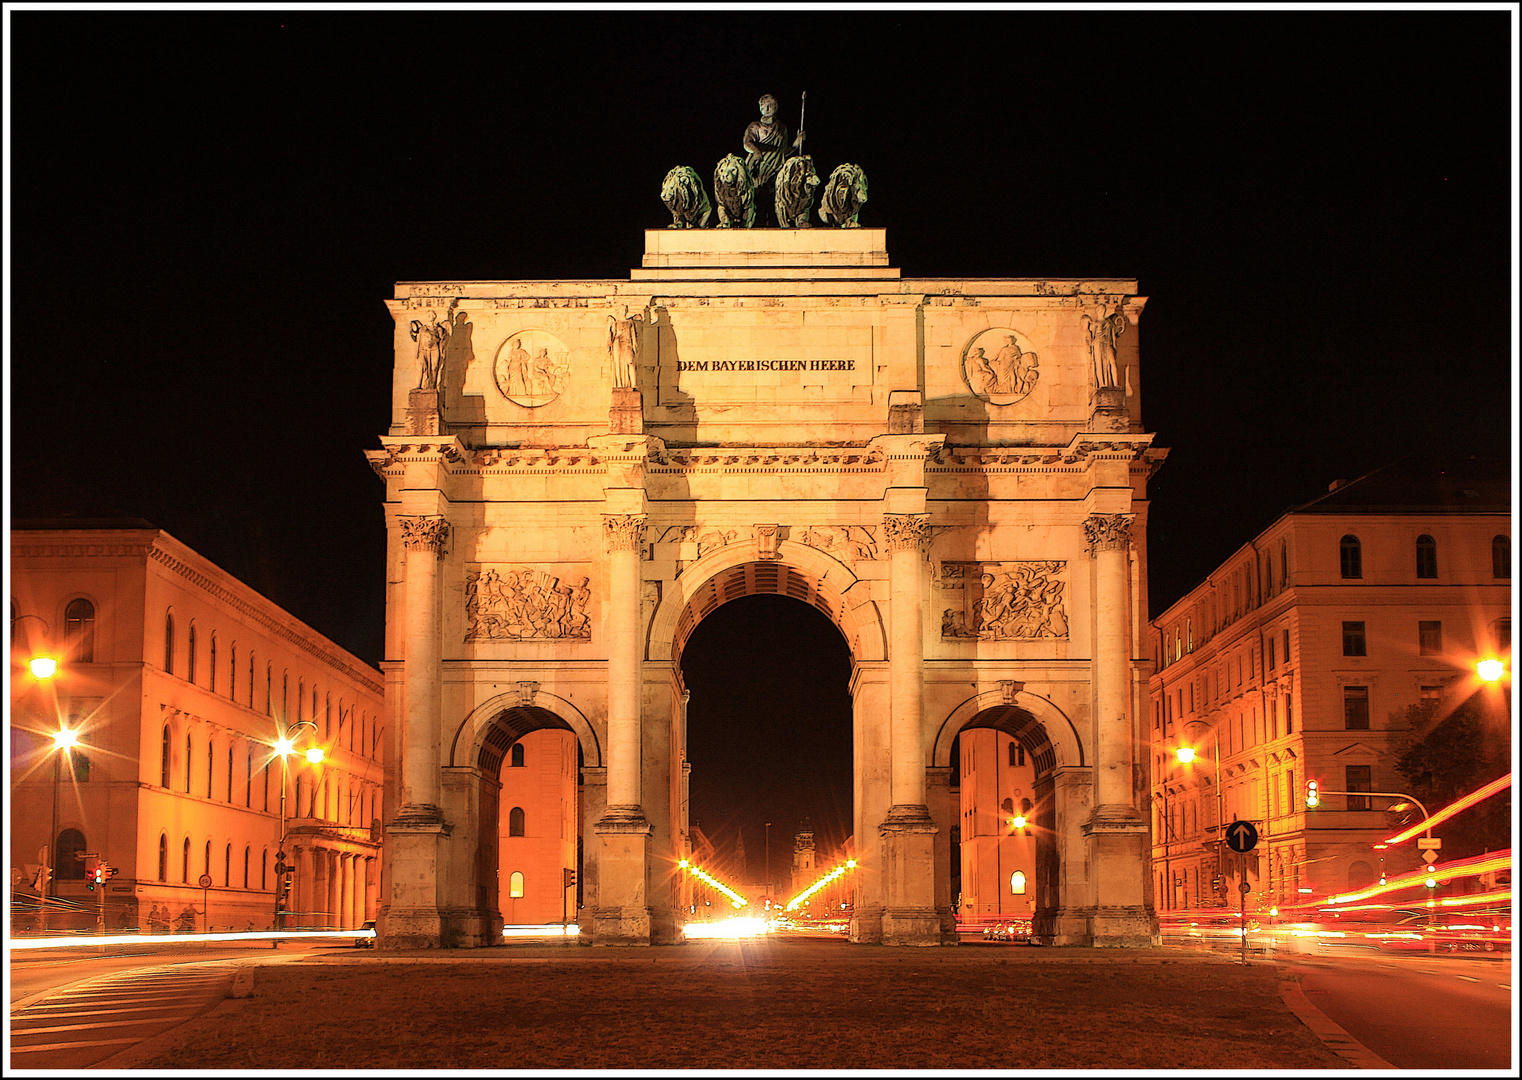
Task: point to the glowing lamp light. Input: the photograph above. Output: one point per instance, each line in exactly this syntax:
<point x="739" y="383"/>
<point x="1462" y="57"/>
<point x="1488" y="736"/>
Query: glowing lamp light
<point x="284" y="746"/>
<point x="315" y="755"/>
<point x="1490" y="669"/>
<point x="684" y="864"/>
<point x="1018" y="821"/>
<point x="1431" y="883"/>
<point x="1184" y="754"/>
<point x="42" y="667"/>
<point x="64" y="739"/>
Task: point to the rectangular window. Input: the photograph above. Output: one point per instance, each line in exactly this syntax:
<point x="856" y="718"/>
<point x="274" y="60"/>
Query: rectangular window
<point x="1355" y="708"/>
<point x="1359" y="778"/>
<point x="1353" y="641"/>
<point x="1191" y="696"/>
<point x="1272" y="664"/>
<point x="1273" y="718"/>
<point x="1289" y="788"/>
<point x="1431" y="693"/>
<point x="1286" y="646"/>
<point x="1429" y="636"/>
<point x="1289" y="724"/>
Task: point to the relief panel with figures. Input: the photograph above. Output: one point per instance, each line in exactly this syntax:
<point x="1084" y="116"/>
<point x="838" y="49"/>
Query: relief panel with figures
<point x="1007" y="601"/>
<point x="524" y="603"/>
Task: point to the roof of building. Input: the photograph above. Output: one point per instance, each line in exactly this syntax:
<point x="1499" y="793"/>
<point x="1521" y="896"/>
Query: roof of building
<point x="54" y="524"/>
<point x="1422" y="484"/>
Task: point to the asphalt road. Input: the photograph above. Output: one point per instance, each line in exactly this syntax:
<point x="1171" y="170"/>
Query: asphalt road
<point x="1416" y="1012"/>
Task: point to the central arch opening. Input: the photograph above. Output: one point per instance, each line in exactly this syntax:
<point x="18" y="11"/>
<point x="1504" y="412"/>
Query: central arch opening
<point x="769" y="740"/>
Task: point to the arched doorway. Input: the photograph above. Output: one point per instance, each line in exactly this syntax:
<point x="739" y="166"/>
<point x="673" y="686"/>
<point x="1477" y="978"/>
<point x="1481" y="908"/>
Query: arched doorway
<point x="769" y="765"/>
<point x="810" y="576"/>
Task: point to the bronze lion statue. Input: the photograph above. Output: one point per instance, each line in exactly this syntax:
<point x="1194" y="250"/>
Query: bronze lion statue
<point x="796" y="181"/>
<point x="735" y="192"/>
<point x="843" y="195"/>
<point x="682" y="192"/>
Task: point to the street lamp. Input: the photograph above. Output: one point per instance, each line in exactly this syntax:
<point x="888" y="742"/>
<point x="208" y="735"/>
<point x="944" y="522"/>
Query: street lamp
<point x="285" y="745"/>
<point x="1490" y="669"/>
<point x="64" y="740"/>
<point x="1187" y="754"/>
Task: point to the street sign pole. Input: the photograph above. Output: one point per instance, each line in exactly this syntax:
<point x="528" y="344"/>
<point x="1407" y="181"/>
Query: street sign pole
<point x="1242" y="891"/>
<point x="205" y="884"/>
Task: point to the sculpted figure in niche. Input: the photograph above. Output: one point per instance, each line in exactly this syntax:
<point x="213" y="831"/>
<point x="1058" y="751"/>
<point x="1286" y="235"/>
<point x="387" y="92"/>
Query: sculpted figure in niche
<point x="431" y="338"/>
<point x="767" y="147"/>
<point x="1103" y="329"/>
<point x="735" y="192"/>
<point x="623" y="348"/>
<point x="1006" y="377"/>
<point x="682" y="192"/>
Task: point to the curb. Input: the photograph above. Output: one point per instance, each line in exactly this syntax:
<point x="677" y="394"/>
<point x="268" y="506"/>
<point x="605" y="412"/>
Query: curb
<point x="1333" y="1035"/>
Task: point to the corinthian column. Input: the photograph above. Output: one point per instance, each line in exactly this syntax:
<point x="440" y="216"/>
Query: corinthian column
<point x="623" y="536"/>
<point x="905" y="538"/>
<point x="1109" y="539"/>
<point x="424" y="539"/>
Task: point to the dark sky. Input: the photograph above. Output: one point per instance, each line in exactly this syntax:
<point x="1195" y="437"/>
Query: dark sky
<point x="207" y="210"/>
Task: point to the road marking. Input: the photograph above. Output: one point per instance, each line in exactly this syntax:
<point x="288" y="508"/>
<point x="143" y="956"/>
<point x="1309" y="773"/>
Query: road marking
<point x="38" y="1014"/>
<point x="103" y="1024"/>
<point x="1504" y="986"/>
<point x="1466" y="978"/>
<point x="69" y="1045"/>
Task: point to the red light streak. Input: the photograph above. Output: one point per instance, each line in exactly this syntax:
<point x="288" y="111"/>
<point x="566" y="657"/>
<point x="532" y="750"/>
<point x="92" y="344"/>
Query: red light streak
<point x="1478" y="795"/>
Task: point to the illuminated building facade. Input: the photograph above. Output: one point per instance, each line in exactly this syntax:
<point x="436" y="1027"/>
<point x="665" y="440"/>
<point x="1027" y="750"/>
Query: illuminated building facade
<point x="178" y="678"/>
<point x="537" y="822"/>
<point x="998" y="849"/>
<point x="1296" y="660"/>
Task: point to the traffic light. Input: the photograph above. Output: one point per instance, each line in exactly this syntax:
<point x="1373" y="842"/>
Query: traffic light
<point x="567" y="877"/>
<point x="44" y="875"/>
<point x="1312" y="795"/>
<point x="92" y="875"/>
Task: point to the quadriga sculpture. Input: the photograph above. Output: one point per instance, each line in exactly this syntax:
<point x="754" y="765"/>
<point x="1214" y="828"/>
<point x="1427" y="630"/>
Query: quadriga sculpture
<point x="682" y="192"/>
<point x="843" y="195"/>
<point x="796" y="181"/>
<point x="735" y="192"/>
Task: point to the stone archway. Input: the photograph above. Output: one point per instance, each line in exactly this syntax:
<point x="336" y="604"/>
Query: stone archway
<point x="815" y="578"/>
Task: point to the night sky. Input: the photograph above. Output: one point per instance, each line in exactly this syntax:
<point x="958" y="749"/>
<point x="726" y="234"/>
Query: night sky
<point x="208" y="209"/>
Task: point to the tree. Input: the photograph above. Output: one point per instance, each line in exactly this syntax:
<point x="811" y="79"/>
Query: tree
<point x="1444" y="758"/>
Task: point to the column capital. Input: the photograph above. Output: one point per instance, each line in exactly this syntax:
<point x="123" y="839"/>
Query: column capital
<point x="623" y="532"/>
<point x="905" y="532"/>
<point x="1106" y="532"/>
<point x="424" y="533"/>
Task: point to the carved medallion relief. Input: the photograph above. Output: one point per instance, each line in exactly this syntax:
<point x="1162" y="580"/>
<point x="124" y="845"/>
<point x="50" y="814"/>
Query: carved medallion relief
<point x="1000" y="366"/>
<point x="522" y="603"/>
<point x="532" y="368"/>
<point x="1010" y="601"/>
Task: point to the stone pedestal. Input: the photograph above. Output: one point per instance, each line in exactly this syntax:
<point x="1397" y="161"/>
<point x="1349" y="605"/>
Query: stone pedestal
<point x="1120" y="857"/>
<point x="622" y="913"/>
<point x="414" y="919"/>
<point x="909" y="917"/>
<point x="627" y="416"/>
<point x="1110" y="412"/>
<point x="423" y="413"/>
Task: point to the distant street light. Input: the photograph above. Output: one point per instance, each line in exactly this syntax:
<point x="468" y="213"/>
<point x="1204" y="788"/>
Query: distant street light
<point x="285" y="745"/>
<point x="1187" y="754"/>
<point x="1490" y="669"/>
<point x="42" y="667"/>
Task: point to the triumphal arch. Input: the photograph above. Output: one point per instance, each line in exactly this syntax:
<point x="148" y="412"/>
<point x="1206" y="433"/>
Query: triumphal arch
<point x="952" y="470"/>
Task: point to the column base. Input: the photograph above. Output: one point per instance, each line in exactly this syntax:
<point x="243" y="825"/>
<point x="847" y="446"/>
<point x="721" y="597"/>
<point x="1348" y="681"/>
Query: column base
<point x="1066" y="926"/>
<point x="417" y="815"/>
<point x="622" y="915"/>
<point x="1119" y="865"/>
<point x="909" y="915"/>
<point x="472" y="929"/>
<point x="411" y="928"/>
<point x="414" y="919"/>
<point x="1123" y="928"/>
<point x="867" y="925"/>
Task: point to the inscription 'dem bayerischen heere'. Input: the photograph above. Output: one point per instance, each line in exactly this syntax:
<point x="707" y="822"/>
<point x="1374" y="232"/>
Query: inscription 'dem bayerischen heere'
<point x="766" y="365"/>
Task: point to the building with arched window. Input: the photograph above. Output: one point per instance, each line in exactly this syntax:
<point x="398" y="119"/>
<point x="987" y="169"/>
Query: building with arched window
<point x="1388" y="590"/>
<point x="174" y="772"/>
<point x="539" y="800"/>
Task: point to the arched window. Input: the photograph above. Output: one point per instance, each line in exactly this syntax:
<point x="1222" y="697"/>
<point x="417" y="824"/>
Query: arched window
<point x="285" y="696"/>
<point x="211" y="751"/>
<point x="229" y="774"/>
<point x="264" y="868"/>
<point x="516" y="761"/>
<point x="1189" y="635"/>
<point x="515" y="821"/>
<point x="301" y="693"/>
<point x="327" y="717"/>
<point x="211" y="665"/>
<point x="1284" y="564"/>
<point x="248" y="780"/>
<point x="169" y="642"/>
<point x="515" y="885"/>
<point x="163" y="857"/>
<point x="1352" y="557"/>
<point x="251" y="678"/>
<point x="1500" y="557"/>
<point x="164" y="759"/>
<point x="1017" y="883"/>
<point x="68" y="866"/>
<point x="79" y="627"/>
<point x="1268" y="566"/>
<point x="1016" y="754"/>
<point x="206" y="862"/>
<point x="190" y="661"/>
<point x="188" y="759"/>
<point x="266" y="785"/>
<point x="269" y="689"/>
<point x="227" y="868"/>
<point x="185" y="861"/>
<point x="232" y="673"/>
<point x="1426" y="557"/>
<point x="245" y="867"/>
